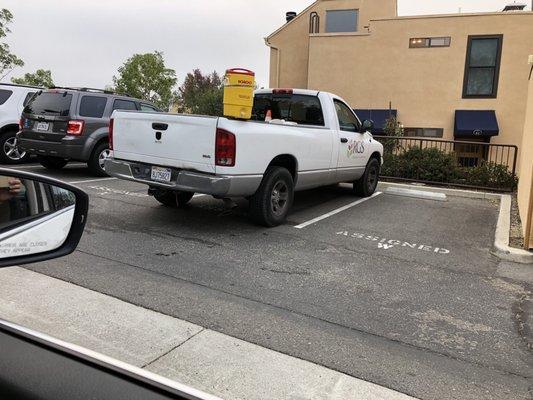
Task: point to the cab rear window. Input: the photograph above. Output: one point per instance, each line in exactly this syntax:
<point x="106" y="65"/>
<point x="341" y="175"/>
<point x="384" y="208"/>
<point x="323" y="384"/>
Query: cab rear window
<point x="50" y="103"/>
<point x="4" y="95"/>
<point x="302" y="109"/>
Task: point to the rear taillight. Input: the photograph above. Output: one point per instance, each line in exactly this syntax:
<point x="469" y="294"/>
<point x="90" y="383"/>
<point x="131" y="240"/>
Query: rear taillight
<point x="110" y="134"/>
<point x="225" y="150"/>
<point x="21" y="124"/>
<point x="75" y="127"/>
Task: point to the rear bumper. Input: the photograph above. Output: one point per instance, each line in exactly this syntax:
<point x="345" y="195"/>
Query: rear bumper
<point x="54" y="149"/>
<point x="187" y="181"/>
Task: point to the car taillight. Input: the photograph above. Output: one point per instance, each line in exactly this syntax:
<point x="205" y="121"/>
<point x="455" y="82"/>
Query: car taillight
<point x="225" y="150"/>
<point x="110" y="134"/>
<point x="75" y="127"/>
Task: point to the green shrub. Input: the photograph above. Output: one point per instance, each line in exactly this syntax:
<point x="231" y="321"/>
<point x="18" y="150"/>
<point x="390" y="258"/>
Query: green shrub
<point x="421" y="164"/>
<point x="431" y="164"/>
<point x="491" y="175"/>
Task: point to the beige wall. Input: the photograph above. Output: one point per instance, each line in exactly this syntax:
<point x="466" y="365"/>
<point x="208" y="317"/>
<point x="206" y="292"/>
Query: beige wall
<point x="426" y="85"/>
<point x="291" y="43"/>
<point x="525" y="198"/>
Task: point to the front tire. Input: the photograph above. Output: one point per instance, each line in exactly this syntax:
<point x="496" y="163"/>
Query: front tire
<point x="9" y="152"/>
<point x="53" y="163"/>
<point x="271" y="203"/>
<point x="97" y="159"/>
<point x="367" y="184"/>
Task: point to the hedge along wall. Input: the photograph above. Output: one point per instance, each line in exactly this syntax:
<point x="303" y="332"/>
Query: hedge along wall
<point x="525" y="194"/>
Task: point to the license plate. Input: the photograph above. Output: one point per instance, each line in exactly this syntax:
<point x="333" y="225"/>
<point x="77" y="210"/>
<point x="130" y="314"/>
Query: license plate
<point x="161" y="174"/>
<point x="42" y="126"/>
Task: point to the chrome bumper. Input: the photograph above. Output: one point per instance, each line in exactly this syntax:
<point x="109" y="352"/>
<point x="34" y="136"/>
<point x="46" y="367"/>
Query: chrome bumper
<point x="186" y="181"/>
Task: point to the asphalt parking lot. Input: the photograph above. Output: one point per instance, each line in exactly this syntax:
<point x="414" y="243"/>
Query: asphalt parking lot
<point x="398" y="291"/>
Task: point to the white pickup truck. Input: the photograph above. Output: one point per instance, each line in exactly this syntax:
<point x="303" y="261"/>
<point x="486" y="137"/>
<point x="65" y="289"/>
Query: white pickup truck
<point x="296" y="140"/>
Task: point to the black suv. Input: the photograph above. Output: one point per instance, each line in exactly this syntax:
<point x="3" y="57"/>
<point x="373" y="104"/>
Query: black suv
<point x="64" y="124"/>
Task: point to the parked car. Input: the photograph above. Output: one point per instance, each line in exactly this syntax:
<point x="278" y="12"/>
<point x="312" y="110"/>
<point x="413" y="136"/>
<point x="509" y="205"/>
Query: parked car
<point x="71" y="124"/>
<point x="296" y="140"/>
<point x="13" y="98"/>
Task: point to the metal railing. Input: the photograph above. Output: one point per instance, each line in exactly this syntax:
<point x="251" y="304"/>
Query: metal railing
<point x="474" y="165"/>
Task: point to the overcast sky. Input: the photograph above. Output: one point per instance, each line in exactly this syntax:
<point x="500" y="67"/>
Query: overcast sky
<point x="83" y="42"/>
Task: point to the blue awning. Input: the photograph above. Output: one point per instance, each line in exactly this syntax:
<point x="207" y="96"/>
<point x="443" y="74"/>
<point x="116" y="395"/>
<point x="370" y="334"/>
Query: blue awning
<point x="476" y="123"/>
<point x="379" y="117"/>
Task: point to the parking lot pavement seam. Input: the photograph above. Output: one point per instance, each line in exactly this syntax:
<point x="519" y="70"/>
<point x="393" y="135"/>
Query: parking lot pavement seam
<point x="306" y="315"/>
<point x="172" y="349"/>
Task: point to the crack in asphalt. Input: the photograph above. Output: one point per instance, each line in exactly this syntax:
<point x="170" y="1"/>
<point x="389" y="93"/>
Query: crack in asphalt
<point x="354" y="329"/>
<point x="520" y="319"/>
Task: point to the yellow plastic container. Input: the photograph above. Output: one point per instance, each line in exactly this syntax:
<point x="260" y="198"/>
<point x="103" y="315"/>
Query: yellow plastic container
<point x="239" y="77"/>
<point x="239" y="87"/>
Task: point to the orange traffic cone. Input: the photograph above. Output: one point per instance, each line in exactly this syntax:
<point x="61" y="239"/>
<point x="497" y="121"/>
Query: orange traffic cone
<point x="268" y="116"/>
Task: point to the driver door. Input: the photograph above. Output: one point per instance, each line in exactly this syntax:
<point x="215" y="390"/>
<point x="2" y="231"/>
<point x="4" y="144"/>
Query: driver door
<point x="351" y="160"/>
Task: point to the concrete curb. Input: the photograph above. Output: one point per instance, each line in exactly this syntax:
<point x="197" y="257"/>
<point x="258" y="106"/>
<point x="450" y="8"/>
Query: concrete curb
<point x="501" y="240"/>
<point x="502" y="249"/>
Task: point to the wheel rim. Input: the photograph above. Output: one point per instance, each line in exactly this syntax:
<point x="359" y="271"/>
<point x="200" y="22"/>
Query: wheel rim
<point x="373" y="175"/>
<point x="104" y="155"/>
<point x="279" y="198"/>
<point x="12" y="151"/>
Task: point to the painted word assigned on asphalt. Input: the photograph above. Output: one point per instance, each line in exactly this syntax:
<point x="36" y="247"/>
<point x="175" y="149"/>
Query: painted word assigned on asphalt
<point x="386" y="244"/>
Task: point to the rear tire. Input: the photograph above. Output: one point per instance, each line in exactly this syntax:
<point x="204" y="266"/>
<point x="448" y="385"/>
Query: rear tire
<point x="272" y="202"/>
<point x="173" y="199"/>
<point x="367" y="184"/>
<point x="9" y="152"/>
<point x="53" y="163"/>
<point x="96" y="162"/>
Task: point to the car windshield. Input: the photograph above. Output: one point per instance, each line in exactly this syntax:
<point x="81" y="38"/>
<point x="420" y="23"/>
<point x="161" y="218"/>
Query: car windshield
<point x="50" y="103"/>
<point x="284" y="200"/>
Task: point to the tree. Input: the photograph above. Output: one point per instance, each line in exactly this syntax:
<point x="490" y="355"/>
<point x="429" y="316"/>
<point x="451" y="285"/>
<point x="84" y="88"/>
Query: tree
<point x="41" y="78"/>
<point x="8" y="61"/>
<point x="202" y="94"/>
<point x="394" y="129"/>
<point x="145" y="76"/>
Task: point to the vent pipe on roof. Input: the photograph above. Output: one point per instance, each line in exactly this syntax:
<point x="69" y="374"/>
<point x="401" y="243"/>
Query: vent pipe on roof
<point x="291" y="15"/>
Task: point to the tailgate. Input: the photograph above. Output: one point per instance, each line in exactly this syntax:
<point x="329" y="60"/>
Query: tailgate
<point x="179" y="141"/>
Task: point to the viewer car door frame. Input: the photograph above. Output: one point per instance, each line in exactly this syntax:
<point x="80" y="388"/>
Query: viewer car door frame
<point x="351" y="162"/>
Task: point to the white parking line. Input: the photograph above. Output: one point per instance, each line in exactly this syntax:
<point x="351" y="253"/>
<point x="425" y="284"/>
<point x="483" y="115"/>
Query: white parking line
<point x="40" y="166"/>
<point x="91" y="180"/>
<point x="338" y="210"/>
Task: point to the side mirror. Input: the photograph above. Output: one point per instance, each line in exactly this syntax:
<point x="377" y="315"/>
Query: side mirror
<point x="40" y="218"/>
<point x="367" y="126"/>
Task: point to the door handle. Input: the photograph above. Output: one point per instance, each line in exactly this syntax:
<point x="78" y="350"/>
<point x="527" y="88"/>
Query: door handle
<point x="344" y="140"/>
<point x="159" y="127"/>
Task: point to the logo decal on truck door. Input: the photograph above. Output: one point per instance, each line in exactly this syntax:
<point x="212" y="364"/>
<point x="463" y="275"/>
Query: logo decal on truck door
<point x="355" y="147"/>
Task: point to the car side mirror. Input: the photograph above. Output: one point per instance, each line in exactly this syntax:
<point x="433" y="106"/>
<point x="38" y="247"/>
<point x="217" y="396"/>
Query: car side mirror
<point x="367" y="126"/>
<point x="40" y="218"/>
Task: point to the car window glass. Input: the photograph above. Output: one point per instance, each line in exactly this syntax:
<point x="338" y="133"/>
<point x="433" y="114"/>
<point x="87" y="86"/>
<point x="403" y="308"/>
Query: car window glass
<point x="302" y="109"/>
<point x="147" y="107"/>
<point x="4" y="95"/>
<point x="27" y="99"/>
<point x="92" y="106"/>
<point x="50" y="103"/>
<point x="124" y="105"/>
<point x="347" y="119"/>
